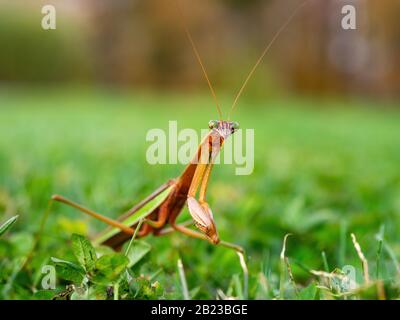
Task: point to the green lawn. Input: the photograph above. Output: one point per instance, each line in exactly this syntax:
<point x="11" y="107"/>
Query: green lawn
<point x="322" y="172"/>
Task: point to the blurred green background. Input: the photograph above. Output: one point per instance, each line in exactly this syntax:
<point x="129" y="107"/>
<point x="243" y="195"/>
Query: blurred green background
<point x="76" y="104"/>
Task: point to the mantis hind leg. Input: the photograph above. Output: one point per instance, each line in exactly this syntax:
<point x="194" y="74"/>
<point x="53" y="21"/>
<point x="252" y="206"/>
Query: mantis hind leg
<point x="58" y="198"/>
<point x="111" y="222"/>
<point x="146" y="229"/>
<point x="117" y="223"/>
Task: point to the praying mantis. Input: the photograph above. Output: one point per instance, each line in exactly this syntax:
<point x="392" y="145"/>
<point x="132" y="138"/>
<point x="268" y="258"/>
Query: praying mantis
<point x="161" y="208"/>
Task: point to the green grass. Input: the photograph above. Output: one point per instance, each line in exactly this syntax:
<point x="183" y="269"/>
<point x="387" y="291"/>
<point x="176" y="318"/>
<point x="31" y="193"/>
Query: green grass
<point x="321" y="173"/>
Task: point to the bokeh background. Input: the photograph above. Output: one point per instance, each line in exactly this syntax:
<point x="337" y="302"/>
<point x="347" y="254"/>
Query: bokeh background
<point x="136" y="44"/>
<point x="76" y="103"/>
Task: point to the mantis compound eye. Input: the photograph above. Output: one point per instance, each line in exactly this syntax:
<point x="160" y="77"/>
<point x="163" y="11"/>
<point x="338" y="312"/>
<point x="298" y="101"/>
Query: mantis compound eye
<point x="235" y="126"/>
<point x="213" y="124"/>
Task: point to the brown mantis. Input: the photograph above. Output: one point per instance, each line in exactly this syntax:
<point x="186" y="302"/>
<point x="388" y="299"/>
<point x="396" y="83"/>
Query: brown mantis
<point x="164" y="205"/>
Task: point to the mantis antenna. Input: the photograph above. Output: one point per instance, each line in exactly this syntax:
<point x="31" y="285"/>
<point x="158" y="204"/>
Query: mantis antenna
<point x="277" y="34"/>
<point x="196" y="53"/>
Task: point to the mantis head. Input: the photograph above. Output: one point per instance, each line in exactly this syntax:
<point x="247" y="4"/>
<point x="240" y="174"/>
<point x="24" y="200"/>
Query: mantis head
<point x="223" y="128"/>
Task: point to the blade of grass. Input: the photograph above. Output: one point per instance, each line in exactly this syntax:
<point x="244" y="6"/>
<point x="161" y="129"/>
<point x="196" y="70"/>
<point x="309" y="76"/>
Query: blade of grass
<point x="7" y="225"/>
<point x="182" y="277"/>
<point x="238" y="286"/>
<point x="325" y="261"/>
<point x="221" y="295"/>
<point x="127" y="275"/>
<point x="392" y="256"/>
<point x="301" y="265"/>
<point x="263" y="284"/>
<point x="291" y="277"/>
<point x="327" y="275"/>
<point x="38" y="234"/>
<point x="245" y="274"/>
<point x="4" y="294"/>
<point x="380" y="288"/>
<point x="362" y="258"/>
<point x="133" y="236"/>
<point x="116" y="291"/>
<point x="265" y="263"/>
<point x="342" y="244"/>
<point x="283" y="268"/>
<point x="155" y="274"/>
<point x="379" y="237"/>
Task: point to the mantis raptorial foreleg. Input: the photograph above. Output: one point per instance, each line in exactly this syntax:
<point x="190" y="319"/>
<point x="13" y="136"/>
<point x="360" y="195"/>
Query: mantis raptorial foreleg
<point x="204" y="183"/>
<point x="200" y="210"/>
<point x="195" y="234"/>
<point x="170" y="229"/>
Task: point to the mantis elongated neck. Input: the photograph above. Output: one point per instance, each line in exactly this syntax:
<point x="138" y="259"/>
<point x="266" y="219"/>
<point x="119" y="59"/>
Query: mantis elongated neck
<point x="209" y="148"/>
<point x="206" y="153"/>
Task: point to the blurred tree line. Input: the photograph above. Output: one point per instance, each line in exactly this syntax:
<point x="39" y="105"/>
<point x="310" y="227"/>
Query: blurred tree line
<point x="139" y="43"/>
